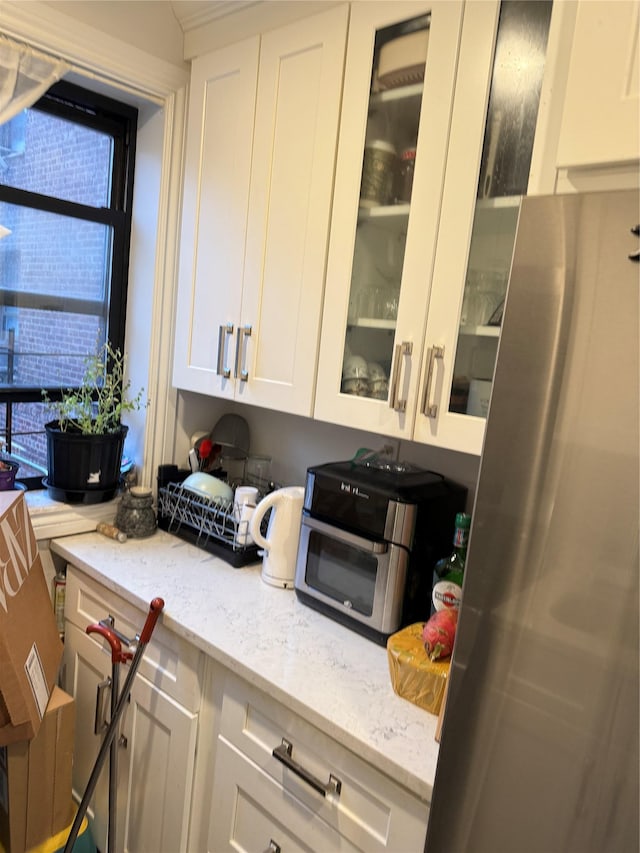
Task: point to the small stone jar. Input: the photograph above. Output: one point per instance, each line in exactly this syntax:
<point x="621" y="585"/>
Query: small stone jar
<point x="135" y="515"/>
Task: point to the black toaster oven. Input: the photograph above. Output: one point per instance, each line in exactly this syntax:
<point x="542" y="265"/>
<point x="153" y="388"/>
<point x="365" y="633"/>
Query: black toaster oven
<point x="370" y="534"/>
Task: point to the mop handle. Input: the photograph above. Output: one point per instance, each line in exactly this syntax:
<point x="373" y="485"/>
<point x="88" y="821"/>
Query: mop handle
<point x="155" y="608"/>
<point x="117" y="655"/>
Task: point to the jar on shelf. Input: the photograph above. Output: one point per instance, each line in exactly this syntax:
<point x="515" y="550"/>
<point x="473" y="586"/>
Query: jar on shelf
<point x="406" y="168"/>
<point x="135" y="515"/>
<point x="378" y="171"/>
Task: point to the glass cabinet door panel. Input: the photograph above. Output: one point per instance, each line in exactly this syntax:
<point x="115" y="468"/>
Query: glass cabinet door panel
<point x="386" y="186"/>
<point x="506" y="158"/>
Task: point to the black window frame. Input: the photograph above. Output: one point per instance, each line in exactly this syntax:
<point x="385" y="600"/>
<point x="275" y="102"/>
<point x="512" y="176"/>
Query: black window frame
<point x="98" y="112"/>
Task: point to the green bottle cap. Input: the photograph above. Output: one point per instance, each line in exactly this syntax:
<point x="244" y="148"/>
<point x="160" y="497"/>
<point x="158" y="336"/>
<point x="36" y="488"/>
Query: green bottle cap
<point x="463" y="519"/>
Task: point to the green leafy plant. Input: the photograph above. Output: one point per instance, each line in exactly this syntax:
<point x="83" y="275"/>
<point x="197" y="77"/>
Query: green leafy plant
<point x="97" y="405"/>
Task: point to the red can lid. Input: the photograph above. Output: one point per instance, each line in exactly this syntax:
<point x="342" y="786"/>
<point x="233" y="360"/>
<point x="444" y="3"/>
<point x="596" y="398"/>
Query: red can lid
<point x="408" y="154"/>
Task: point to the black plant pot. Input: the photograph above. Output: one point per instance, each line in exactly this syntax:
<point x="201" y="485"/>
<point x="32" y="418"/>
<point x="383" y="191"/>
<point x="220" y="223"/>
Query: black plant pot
<point x="83" y="468"/>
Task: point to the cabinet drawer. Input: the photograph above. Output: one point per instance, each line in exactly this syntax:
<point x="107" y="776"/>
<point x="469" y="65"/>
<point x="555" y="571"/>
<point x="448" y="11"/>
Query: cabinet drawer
<point x="256" y="816"/>
<point x="170" y="663"/>
<point x="370" y="810"/>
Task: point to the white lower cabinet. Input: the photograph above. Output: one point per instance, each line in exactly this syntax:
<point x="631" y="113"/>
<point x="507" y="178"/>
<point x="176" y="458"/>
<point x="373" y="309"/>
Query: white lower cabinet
<point x="196" y="764"/>
<point x="158" y="730"/>
<point x="322" y="798"/>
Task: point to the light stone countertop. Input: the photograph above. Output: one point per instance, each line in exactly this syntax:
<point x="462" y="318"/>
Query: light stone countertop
<point x="333" y="677"/>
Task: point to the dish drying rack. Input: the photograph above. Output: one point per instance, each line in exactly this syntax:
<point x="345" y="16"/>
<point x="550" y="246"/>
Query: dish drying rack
<point x="210" y="523"/>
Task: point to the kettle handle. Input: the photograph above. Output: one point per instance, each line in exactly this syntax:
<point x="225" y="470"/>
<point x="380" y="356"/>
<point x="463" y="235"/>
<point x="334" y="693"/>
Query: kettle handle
<point x="254" y="523"/>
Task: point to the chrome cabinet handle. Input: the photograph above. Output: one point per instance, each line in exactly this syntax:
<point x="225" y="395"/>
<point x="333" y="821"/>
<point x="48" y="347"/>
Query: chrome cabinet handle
<point x="241" y="372"/>
<point x="221" y="370"/>
<point x="405" y="348"/>
<point x="273" y="847"/>
<point x="284" y="752"/>
<point x="100" y="720"/>
<point x="430" y="409"/>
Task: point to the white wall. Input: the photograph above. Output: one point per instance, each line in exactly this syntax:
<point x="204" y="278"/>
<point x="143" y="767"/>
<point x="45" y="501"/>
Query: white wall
<point x="295" y="443"/>
<point x="149" y="25"/>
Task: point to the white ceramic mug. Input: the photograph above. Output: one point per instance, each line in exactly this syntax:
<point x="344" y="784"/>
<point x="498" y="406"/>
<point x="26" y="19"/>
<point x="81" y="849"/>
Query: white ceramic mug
<point x="245" y="500"/>
<point x="283" y="531"/>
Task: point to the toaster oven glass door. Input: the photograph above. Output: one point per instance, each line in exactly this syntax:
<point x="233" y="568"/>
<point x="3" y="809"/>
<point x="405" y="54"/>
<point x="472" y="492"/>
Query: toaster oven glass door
<point x="357" y="577"/>
<point x="342" y="572"/>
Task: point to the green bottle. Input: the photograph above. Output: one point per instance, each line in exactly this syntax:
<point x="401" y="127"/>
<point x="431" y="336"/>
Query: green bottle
<point x="449" y="571"/>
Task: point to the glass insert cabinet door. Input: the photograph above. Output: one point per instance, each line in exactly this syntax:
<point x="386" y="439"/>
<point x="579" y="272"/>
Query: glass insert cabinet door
<point x="506" y="158"/>
<point x="398" y="91"/>
<point x="384" y="204"/>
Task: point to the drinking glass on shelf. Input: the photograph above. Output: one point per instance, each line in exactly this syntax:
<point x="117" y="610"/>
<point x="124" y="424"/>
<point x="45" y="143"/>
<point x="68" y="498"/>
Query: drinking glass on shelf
<point x="491" y="290"/>
<point x="470" y="313"/>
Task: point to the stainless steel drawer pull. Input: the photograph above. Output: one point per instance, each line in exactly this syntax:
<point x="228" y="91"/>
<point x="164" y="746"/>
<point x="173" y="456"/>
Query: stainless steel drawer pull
<point x="223" y="331"/>
<point x="430" y="409"/>
<point x="405" y="348"/>
<point x="100" y="722"/>
<point x="241" y="372"/>
<point x="283" y="754"/>
<point x="273" y="847"/>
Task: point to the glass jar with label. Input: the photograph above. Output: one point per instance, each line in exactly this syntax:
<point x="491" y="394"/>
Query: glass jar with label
<point x="378" y="173"/>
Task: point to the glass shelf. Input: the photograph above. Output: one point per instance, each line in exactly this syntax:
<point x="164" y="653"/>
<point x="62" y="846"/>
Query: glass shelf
<point x="481" y="331"/>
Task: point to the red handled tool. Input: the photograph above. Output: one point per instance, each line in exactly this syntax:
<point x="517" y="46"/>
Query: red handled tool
<point x="118" y="703"/>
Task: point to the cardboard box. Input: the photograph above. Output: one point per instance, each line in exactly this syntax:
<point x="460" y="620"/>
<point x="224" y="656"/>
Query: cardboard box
<point x="30" y="648"/>
<point x="35" y="779"/>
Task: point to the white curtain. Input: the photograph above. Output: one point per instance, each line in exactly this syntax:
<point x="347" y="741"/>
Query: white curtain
<point x="25" y="75"/>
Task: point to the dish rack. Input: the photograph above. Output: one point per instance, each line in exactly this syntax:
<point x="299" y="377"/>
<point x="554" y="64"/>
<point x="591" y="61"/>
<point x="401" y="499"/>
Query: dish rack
<point x="210" y="523"/>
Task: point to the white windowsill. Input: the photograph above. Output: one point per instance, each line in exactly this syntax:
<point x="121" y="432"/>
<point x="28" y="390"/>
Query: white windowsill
<point x="51" y="519"/>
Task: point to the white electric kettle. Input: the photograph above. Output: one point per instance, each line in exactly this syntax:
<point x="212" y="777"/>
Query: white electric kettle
<point x="283" y="531"/>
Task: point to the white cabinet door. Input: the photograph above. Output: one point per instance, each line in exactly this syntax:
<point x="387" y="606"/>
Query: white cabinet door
<point x="435" y="423"/>
<point x="157" y="732"/>
<point x="601" y="118"/>
<point x="85" y="666"/>
<point x="216" y="195"/>
<point x="384" y="243"/>
<point x="159" y="756"/>
<point x="259" y="176"/>
<point x="297" y="114"/>
<point x="493" y="129"/>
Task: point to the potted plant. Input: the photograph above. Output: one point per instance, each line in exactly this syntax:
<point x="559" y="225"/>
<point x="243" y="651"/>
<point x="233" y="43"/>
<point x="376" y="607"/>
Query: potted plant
<point x="85" y="441"/>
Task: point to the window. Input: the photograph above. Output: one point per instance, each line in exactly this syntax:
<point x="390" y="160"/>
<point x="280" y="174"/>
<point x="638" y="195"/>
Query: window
<point x="66" y="189"/>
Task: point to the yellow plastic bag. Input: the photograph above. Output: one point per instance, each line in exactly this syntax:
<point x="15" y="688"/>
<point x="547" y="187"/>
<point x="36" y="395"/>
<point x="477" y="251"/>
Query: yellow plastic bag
<point x="413" y="675"/>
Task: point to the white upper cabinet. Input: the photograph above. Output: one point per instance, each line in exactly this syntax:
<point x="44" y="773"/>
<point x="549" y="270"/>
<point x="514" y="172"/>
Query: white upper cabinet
<point x="601" y="118"/>
<point x="214" y="218"/>
<point x="263" y="125"/>
<point x="416" y="277"/>
<point x="493" y="129"/>
<point x="397" y="101"/>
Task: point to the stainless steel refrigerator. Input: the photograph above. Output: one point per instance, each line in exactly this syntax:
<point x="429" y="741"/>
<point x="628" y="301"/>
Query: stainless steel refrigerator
<point x="539" y="748"/>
